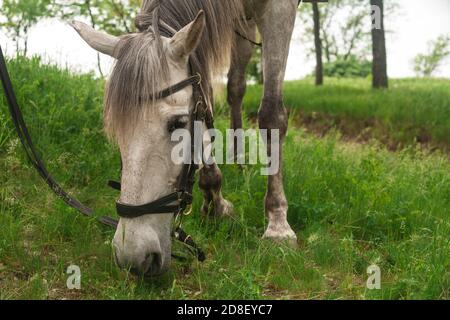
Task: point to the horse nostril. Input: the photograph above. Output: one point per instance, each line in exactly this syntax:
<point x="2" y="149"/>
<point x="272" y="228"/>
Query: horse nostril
<point x="153" y="264"/>
<point x="116" y="254"/>
<point x="148" y="267"/>
<point x="116" y="260"/>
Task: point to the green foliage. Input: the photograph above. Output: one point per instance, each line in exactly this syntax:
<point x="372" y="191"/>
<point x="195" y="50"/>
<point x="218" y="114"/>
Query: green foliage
<point x="254" y="68"/>
<point x="351" y="205"/>
<point x="348" y="68"/>
<point x="18" y="16"/>
<point x="344" y="28"/>
<point x="345" y="33"/>
<point x="426" y="64"/>
<point x="56" y="111"/>
<point x="409" y="109"/>
<point x="114" y="17"/>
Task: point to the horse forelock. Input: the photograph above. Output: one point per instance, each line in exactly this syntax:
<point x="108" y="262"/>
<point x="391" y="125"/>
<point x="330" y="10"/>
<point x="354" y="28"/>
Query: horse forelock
<point x="142" y="70"/>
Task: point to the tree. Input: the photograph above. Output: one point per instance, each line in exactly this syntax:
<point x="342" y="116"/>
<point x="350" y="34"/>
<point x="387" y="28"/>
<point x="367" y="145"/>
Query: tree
<point x="426" y="64"/>
<point x="345" y="35"/>
<point x="317" y="44"/>
<point x="19" y="16"/>
<point x="115" y="17"/>
<point x="342" y="25"/>
<point x="340" y="32"/>
<point x="112" y="16"/>
<point x="379" y="62"/>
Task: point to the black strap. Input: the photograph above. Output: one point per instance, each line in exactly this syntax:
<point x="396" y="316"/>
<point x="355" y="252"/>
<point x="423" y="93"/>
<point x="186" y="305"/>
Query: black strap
<point x="115" y="185"/>
<point x="108" y="221"/>
<point x="30" y="150"/>
<point x="195" y="79"/>
<point x="161" y="206"/>
<point x="259" y="44"/>
<point x="183" y="237"/>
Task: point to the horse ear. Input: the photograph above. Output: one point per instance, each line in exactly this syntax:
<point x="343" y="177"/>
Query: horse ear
<point x="187" y="39"/>
<point x="102" y="42"/>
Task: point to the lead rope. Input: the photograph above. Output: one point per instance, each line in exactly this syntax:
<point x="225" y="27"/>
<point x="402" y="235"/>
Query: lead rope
<point x="28" y="145"/>
<point x="258" y="44"/>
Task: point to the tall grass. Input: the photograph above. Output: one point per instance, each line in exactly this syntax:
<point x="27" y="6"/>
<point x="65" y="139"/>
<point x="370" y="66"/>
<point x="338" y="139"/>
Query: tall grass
<point x="410" y="108"/>
<point x="351" y="206"/>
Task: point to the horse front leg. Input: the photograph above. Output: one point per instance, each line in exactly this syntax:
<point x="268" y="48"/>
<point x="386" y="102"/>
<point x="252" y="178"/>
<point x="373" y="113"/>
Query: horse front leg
<point x="276" y="28"/>
<point x="211" y="185"/>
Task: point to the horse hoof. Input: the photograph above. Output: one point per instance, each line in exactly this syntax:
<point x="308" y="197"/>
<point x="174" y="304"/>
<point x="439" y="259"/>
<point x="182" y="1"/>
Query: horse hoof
<point x="225" y="209"/>
<point x="285" y="236"/>
<point x="222" y="209"/>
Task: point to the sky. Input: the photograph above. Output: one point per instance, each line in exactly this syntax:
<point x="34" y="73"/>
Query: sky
<point x="417" y="23"/>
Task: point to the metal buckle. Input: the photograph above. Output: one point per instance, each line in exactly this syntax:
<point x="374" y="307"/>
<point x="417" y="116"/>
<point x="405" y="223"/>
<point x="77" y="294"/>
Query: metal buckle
<point x="195" y="112"/>
<point x="199" y="110"/>
<point x="182" y="197"/>
<point x="178" y="222"/>
<point x="199" y="78"/>
<point x="189" y="237"/>
<point x="188" y="210"/>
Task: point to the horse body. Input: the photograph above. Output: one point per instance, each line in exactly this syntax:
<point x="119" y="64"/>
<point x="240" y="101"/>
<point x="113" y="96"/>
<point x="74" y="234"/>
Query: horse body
<point x="158" y="57"/>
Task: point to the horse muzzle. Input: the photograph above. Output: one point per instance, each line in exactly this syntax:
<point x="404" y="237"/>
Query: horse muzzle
<point x="141" y="256"/>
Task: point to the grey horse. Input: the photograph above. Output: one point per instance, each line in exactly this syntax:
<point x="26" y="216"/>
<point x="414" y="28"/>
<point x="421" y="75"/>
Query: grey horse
<point x="170" y="33"/>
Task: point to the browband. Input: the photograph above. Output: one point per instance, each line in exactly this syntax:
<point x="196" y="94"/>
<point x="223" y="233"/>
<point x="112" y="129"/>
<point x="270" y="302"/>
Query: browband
<point x="195" y="79"/>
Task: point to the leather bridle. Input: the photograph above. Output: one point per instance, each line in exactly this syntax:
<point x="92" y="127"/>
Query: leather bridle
<point x="179" y="202"/>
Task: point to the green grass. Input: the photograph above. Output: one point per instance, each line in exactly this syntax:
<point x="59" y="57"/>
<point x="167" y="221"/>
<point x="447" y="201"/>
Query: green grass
<point x="412" y="109"/>
<point x="351" y="205"/>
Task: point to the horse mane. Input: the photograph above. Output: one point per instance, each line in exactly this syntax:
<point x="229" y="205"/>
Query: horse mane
<point x="141" y="69"/>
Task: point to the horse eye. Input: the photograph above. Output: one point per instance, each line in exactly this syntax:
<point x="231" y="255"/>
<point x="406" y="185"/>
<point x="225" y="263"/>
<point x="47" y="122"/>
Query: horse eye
<point x="177" y="123"/>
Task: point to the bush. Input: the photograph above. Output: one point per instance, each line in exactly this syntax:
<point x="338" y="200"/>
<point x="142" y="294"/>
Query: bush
<point x="254" y="68"/>
<point x="352" y="67"/>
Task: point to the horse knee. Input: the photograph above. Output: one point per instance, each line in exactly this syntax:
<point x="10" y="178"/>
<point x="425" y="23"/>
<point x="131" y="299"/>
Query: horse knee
<point x="210" y="179"/>
<point x="273" y="115"/>
<point x="236" y="89"/>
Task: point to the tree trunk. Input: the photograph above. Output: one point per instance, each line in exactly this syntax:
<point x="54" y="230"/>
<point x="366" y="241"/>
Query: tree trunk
<point x="379" y="64"/>
<point x="318" y="44"/>
<point x="25" y="46"/>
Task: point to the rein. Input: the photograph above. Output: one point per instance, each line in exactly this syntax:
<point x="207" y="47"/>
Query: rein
<point x="176" y="203"/>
